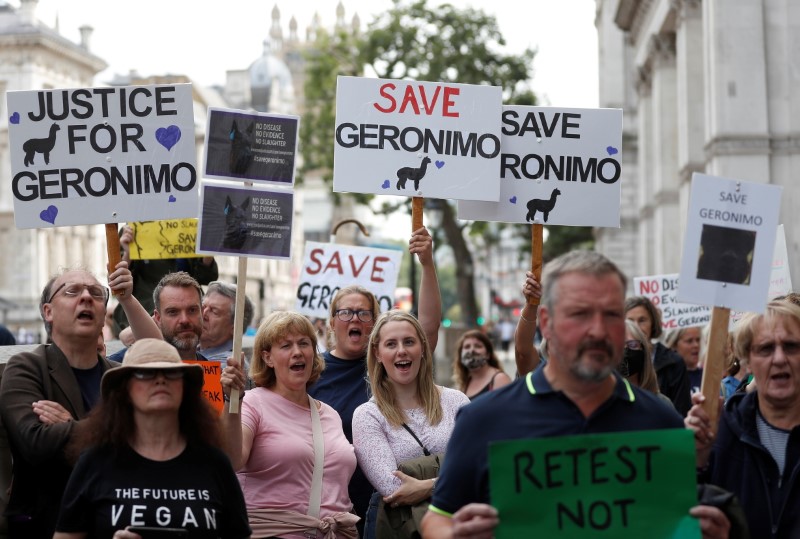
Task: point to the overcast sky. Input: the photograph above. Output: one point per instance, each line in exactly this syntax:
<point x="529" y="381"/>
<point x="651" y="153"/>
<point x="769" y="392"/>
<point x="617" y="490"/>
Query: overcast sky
<point x="205" y="39"/>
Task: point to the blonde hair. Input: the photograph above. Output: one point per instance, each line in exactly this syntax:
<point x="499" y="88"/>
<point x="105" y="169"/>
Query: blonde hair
<point x="382" y="388"/>
<point x="648" y="379"/>
<point x="745" y="328"/>
<point x="275" y="327"/>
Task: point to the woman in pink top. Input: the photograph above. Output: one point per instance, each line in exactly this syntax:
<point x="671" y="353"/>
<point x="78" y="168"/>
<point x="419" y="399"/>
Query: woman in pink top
<point x="272" y="440"/>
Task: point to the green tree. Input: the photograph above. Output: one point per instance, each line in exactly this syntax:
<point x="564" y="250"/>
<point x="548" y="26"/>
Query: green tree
<point x="413" y="41"/>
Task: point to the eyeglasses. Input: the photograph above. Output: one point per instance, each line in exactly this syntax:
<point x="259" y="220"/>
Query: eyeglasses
<point x="73" y="290"/>
<point x="151" y="374"/>
<point x="345" y="315"/>
<point x="790" y="348"/>
<point x="634" y="345"/>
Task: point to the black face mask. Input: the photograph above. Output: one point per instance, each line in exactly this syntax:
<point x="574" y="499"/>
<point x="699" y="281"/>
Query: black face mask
<point x="632" y="363"/>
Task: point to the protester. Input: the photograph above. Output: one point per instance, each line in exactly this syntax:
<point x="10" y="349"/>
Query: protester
<point x="6" y="337"/>
<point x="636" y="366"/>
<point x="147" y="274"/>
<point x="219" y="312"/>
<point x="687" y="343"/>
<point x="408" y="416"/>
<point x="738" y="372"/>
<point x="673" y="378"/>
<point x="526" y="356"/>
<point x="576" y="392"/>
<point x="144" y="444"/>
<point x="45" y="393"/>
<point x="283" y="439"/>
<point x="344" y="384"/>
<point x="752" y="451"/>
<point x="476" y="369"/>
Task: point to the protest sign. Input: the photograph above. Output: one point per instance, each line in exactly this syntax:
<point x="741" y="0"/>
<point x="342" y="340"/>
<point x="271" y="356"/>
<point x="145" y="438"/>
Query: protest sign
<point x="559" y="166"/>
<point x="87" y="156"/>
<point x="327" y="267"/>
<point x="164" y="239"/>
<point x="615" y="485"/>
<point x="780" y="280"/>
<point x="729" y="245"/>
<point x="212" y="383"/>
<point x="245" y="221"/>
<point x="662" y="290"/>
<point x="251" y="146"/>
<point x="420" y="139"/>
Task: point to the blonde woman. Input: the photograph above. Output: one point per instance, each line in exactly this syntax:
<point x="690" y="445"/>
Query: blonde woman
<point x="636" y="365"/>
<point x="408" y="415"/>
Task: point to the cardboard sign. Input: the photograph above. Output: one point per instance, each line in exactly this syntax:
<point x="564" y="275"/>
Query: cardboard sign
<point x="558" y="167"/>
<point x="662" y="290"/>
<point x="730" y="240"/>
<point x="212" y="384"/>
<point x="251" y="146"/>
<point x="618" y="485"/>
<point x="424" y="139"/>
<point x="164" y="239"/>
<point x="245" y="222"/>
<point x="327" y="267"/>
<point x="87" y="156"/>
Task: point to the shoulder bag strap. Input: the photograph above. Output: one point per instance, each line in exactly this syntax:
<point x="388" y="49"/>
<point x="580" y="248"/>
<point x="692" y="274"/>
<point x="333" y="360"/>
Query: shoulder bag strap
<point x="411" y="432"/>
<point x="315" y="500"/>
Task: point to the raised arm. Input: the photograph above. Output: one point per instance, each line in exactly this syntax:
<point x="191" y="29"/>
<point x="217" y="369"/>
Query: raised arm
<point x="141" y="323"/>
<point x="525" y="354"/>
<point x="430" y="300"/>
<point x="238" y="438"/>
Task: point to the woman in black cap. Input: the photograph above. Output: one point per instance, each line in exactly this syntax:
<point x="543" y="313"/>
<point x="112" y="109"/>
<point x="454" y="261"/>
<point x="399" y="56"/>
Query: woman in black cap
<point x="153" y="458"/>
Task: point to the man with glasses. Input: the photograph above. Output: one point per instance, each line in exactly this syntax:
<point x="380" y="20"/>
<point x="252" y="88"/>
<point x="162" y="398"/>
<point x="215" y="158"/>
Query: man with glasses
<point x="219" y="310"/>
<point x="45" y="393"/>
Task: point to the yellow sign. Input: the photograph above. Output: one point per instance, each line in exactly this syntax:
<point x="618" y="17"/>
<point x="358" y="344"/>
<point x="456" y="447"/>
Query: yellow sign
<point x="164" y="239"/>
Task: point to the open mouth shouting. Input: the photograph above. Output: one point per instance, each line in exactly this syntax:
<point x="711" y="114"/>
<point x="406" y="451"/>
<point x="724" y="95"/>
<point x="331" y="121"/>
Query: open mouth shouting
<point x="297" y="366"/>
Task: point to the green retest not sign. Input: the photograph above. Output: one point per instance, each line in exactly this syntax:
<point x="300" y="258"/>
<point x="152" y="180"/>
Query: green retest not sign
<point x="618" y="485"/>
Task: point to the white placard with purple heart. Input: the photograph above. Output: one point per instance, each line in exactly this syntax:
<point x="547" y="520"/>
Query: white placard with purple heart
<point x="83" y="156"/>
<point x="408" y="138"/>
<point x="559" y="166"/>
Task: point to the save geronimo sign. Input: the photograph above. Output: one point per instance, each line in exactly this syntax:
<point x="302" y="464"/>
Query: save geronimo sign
<point x="408" y="138"/>
<point x="102" y="155"/>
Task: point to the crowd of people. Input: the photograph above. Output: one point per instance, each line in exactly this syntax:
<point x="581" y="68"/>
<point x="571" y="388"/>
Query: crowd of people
<point x="352" y="437"/>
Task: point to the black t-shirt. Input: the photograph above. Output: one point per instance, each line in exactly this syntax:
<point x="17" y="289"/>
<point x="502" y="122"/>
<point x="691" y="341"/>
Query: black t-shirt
<point x="197" y="490"/>
<point x="89" y="382"/>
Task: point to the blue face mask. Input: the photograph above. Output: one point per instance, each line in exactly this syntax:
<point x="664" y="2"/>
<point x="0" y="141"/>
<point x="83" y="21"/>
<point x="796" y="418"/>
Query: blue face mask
<point x="472" y="361"/>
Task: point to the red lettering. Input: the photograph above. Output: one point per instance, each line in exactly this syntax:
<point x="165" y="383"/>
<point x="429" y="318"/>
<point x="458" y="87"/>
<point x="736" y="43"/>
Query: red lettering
<point x="314" y="258"/>
<point x="448" y="102"/>
<point x="648" y="287"/>
<point x="335" y="263"/>
<point x="429" y="108"/>
<point x="377" y="271"/>
<point x="353" y="265"/>
<point x="409" y="98"/>
<point x="384" y="93"/>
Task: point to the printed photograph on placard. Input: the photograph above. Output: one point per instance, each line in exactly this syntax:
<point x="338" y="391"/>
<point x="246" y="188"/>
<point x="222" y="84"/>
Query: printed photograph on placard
<point x="726" y="254"/>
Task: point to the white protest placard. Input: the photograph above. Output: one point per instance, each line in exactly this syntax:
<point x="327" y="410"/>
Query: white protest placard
<point x="251" y="146"/>
<point x="423" y="139"/>
<point x="780" y="281"/>
<point x="558" y="166"/>
<point x="327" y="267"/>
<point x="85" y="156"/>
<point x="729" y="244"/>
<point x="661" y="291"/>
<point x="245" y="221"/>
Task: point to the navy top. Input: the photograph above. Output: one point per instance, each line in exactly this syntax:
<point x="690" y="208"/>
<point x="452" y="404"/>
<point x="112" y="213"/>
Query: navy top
<point x="530" y="408"/>
<point x="344" y="386"/>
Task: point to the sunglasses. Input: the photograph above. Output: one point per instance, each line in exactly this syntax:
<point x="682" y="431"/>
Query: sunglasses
<point x="634" y="345"/>
<point x="151" y="374"/>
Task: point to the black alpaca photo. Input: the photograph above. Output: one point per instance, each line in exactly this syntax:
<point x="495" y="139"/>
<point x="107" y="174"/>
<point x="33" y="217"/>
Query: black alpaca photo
<point x="413" y="174"/>
<point x="544" y="206"/>
<point x="40" y="145"/>
<point x="236" y="225"/>
<point x="726" y="254"/>
<point x="241" y="154"/>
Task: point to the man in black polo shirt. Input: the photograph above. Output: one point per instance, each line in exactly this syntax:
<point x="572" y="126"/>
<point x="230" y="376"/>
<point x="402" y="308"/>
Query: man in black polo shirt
<point x="583" y="319"/>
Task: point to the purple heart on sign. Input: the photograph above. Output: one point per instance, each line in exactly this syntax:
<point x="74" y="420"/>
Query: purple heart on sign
<point x="612" y="150"/>
<point x="513" y="199"/>
<point x="439" y="164"/>
<point x="14" y="118"/>
<point x="386" y="184"/>
<point x="172" y="198"/>
<point x="49" y="215"/>
<point x="168" y="136"/>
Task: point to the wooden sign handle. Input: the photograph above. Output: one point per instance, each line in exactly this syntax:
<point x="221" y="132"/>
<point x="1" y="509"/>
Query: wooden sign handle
<point x="416" y="213"/>
<point x="536" y="257"/>
<point x="112" y="248"/>
<point x="238" y="326"/>
<point x="715" y="362"/>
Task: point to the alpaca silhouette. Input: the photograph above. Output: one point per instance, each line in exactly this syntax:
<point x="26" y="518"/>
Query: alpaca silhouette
<point x="413" y="174"/>
<point x="40" y="145"/>
<point x="544" y="206"/>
